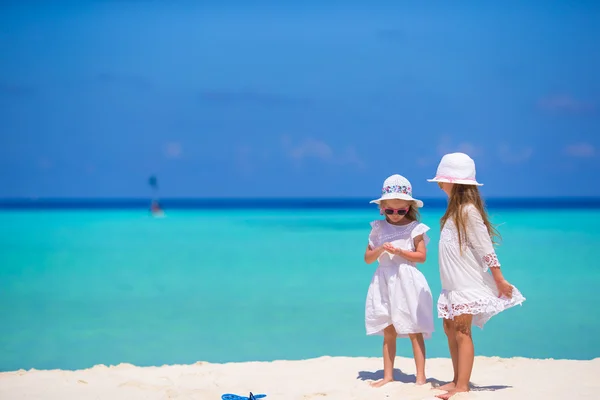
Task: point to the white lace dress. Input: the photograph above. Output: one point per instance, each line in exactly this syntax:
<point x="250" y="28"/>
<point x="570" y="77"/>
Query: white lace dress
<point x="398" y="294"/>
<point x="467" y="286"/>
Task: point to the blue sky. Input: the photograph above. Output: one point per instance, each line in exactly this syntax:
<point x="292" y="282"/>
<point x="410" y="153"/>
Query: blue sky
<point x="226" y="98"/>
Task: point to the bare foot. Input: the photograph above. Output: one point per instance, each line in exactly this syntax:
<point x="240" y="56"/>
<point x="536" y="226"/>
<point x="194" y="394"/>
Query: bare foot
<point x="450" y="393"/>
<point x="381" y="382"/>
<point x="447" y="386"/>
<point x="421" y="381"/>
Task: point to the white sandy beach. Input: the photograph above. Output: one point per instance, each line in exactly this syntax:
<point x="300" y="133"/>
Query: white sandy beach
<point x="329" y="378"/>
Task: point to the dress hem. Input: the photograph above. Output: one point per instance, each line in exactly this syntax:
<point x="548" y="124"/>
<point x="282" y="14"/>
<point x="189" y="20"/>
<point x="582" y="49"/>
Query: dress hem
<point x="379" y="332"/>
<point x="482" y="309"/>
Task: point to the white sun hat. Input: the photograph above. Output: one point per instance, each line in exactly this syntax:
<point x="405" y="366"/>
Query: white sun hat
<point x="397" y="187"/>
<point x="456" y="168"/>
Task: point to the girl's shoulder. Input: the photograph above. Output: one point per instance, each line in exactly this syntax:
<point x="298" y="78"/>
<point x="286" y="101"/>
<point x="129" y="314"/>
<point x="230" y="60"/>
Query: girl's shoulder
<point x="418" y="228"/>
<point x="376" y="223"/>
<point x="469" y="207"/>
<point x="376" y="233"/>
<point x="469" y="210"/>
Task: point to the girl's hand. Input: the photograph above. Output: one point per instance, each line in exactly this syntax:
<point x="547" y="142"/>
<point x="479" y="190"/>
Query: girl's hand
<point x="391" y="249"/>
<point x="388" y="247"/>
<point x="380" y="249"/>
<point x="504" y="288"/>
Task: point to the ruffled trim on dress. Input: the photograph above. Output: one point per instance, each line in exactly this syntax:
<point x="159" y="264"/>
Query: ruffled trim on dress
<point x="377" y="226"/>
<point x="481" y="306"/>
<point x="420" y="229"/>
<point x="374" y="235"/>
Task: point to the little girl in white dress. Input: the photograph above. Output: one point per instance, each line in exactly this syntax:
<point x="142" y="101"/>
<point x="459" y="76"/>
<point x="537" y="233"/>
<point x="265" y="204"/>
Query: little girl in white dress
<point x="399" y="301"/>
<point x="470" y="294"/>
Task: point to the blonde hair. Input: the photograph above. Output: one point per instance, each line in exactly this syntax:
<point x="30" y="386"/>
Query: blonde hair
<point x="411" y="215"/>
<point x="461" y="196"/>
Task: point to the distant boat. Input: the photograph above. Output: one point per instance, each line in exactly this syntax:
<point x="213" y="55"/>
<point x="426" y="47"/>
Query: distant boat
<point x="156" y="210"/>
<point x="155" y="207"/>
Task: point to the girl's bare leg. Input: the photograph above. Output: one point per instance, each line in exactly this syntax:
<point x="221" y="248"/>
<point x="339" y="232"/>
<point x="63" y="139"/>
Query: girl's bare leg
<point x="389" y="355"/>
<point x="418" y="345"/>
<point x="450" y="331"/>
<point x="466" y="355"/>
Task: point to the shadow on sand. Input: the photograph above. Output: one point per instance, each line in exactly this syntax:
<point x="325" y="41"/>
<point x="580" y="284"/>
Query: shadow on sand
<point x="400" y="376"/>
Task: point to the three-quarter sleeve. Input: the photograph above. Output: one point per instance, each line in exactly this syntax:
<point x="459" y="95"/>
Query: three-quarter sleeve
<point x="479" y="239"/>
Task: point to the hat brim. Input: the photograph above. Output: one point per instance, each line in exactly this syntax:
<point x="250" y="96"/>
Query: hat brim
<point x="458" y="181"/>
<point x="398" y="196"/>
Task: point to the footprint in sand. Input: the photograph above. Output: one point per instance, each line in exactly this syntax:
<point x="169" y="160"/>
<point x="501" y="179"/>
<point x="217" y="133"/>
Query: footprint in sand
<point x="175" y="394"/>
<point x="143" y="386"/>
<point x="315" y="395"/>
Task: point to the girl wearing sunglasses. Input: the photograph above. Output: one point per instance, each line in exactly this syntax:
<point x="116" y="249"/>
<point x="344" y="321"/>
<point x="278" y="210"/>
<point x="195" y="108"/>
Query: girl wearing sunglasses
<point x="470" y="294"/>
<point x="399" y="301"/>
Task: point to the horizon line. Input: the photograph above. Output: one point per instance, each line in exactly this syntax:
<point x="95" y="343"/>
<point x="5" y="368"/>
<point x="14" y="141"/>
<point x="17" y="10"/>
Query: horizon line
<point x="132" y="198"/>
<point x="124" y="203"/>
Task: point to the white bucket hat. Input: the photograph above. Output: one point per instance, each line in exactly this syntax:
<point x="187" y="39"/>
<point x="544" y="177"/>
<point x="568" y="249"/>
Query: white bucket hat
<point x="456" y="168"/>
<point x="397" y="187"/>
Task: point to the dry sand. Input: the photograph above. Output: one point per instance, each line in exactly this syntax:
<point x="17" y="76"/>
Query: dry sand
<point x="325" y="378"/>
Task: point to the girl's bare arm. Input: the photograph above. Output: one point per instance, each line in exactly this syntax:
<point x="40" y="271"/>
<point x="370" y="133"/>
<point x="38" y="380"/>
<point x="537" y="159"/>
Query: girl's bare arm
<point x="420" y="253"/>
<point x="371" y="255"/>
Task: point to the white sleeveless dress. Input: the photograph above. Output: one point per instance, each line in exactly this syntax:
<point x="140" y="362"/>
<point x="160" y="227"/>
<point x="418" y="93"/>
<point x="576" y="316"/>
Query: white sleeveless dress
<point x="398" y="294"/>
<point x="467" y="286"/>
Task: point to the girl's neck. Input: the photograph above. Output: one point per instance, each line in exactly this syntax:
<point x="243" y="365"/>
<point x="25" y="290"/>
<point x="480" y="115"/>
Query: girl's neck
<point x="402" y="222"/>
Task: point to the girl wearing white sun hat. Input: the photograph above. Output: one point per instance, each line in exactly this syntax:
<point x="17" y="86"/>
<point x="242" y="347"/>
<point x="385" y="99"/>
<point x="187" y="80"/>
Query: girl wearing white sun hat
<point x="456" y="168"/>
<point x="399" y="301"/>
<point x="470" y="294"/>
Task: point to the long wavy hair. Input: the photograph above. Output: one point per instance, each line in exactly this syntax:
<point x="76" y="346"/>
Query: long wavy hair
<point x="460" y="196"/>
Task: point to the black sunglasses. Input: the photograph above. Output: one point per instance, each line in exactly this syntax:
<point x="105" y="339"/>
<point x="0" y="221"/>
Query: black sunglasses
<point x="399" y="211"/>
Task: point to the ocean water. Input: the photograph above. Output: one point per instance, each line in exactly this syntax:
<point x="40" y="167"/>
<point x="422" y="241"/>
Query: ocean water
<point x="81" y="287"/>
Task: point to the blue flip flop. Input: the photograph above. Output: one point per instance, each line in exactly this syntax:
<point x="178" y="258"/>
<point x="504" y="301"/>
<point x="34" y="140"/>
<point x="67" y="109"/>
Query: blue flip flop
<point x="229" y="396"/>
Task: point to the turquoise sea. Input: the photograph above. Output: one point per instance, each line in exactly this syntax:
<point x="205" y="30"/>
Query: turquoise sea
<point x="79" y="288"/>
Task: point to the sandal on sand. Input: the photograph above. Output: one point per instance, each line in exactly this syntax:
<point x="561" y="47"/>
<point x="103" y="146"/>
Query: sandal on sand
<point x="229" y="396"/>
